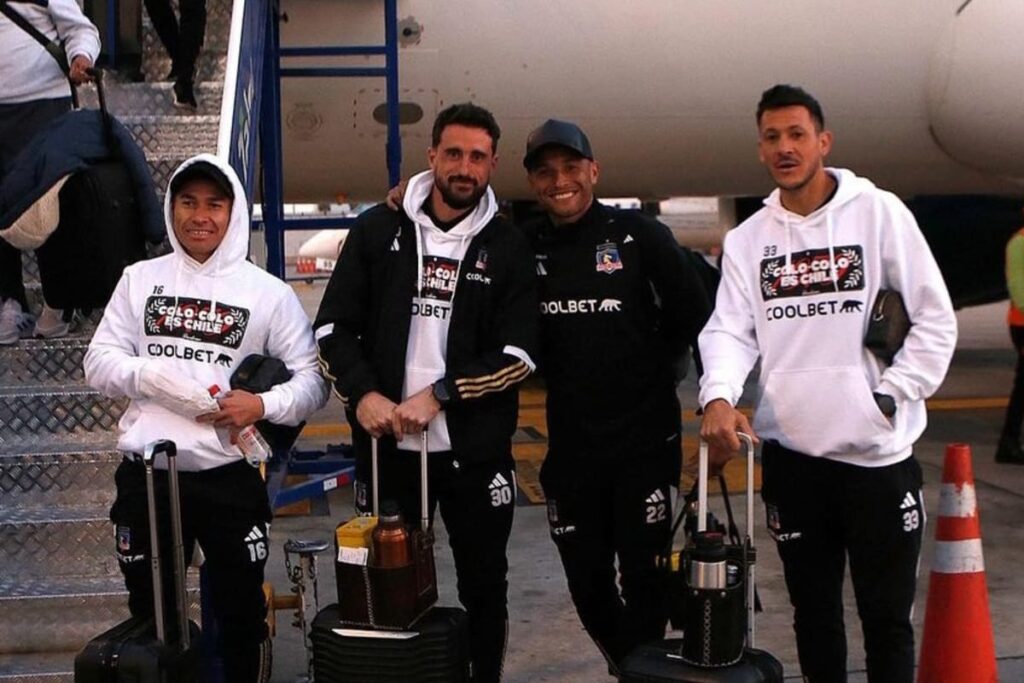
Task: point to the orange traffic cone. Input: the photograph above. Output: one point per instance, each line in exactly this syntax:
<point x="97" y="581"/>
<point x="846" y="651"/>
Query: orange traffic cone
<point x="958" y="644"/>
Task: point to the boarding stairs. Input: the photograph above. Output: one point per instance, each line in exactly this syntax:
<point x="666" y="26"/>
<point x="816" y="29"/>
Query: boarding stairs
<point x="59" y="580"/>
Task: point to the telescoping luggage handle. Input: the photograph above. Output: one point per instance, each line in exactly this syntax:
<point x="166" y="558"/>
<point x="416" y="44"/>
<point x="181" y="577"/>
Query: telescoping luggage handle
<point x="153" y="449"/>
<point x="424" y="505"/>
<point x="702" y="517"/>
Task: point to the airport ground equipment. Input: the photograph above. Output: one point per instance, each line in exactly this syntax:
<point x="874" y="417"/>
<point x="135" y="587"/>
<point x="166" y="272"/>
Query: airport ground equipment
<point x="143" y="649"/>
<point x="720" y="592"/>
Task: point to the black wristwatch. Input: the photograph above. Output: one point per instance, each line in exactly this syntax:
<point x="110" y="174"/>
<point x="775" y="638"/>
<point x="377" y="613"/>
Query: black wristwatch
<point x="440" y="393"/>
<point x="886" y="403"/>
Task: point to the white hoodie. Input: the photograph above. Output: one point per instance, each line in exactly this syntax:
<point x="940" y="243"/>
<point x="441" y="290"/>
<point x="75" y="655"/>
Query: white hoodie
<point x="201" y="320"/>
<point x="439" y="256"/>
<point x="27" y="71"/>
<point x="797" y="291"/>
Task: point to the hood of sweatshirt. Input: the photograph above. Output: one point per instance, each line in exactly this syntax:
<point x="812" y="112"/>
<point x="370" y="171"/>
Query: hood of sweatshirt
<point x="848" y="187"/>
<point x="416" y="194"/>
<point x="234" y="248"/>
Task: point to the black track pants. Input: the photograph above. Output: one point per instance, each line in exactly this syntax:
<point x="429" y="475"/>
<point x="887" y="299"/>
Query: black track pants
<point x="820" y="512"/>
<point x="226" y="511"/>
<point x="1015" y="408"/>
<point x="183" y="39"/>
<point x="599" y="512"/>
<point x="477" y="502"/>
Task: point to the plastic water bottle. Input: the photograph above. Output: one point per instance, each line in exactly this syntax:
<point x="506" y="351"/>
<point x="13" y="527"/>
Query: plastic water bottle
<point x="249" y="440"/>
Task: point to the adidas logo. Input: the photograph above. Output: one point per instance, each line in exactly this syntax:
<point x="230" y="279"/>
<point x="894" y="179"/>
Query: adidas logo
<point x="541" y="270"/>
<point x="501" y="491"/>
<point x="656" y="497"/>
<point x="629" y="238"/>
<point x="394" y="245"/>
<point x="256" y="542"/>
<point x="908" y="501"/>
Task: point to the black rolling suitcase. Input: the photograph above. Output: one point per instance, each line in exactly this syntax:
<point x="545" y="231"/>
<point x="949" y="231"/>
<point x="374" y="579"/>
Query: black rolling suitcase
<point x="712" y="649"/>
<point x="368" y="637"/>
<point x="137" y="650"/>
<point x="99" y="233"/>
<point x="435" y="650"/>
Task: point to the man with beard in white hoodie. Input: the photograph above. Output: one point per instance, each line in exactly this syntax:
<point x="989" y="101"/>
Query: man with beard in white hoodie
<point x="799" y="280"/>
<point x="175" y="326"/>
<point x="427" y="328"/>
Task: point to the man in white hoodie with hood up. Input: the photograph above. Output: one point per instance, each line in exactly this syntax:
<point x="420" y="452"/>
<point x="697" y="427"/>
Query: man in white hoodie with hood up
<point x="175" y="326"/>
<point x="838" y="426"/>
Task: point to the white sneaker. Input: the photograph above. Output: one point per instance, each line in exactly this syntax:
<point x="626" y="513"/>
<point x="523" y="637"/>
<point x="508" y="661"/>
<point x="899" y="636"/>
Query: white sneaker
<point x="15" y="324"/>
<point x="50" y="324"/>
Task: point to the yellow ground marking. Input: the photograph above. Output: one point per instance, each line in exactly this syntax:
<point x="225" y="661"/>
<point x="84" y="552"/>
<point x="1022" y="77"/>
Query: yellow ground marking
<point x="530" y="455"/>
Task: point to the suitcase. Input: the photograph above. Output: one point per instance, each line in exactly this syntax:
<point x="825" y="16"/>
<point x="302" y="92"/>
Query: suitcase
<point x="435" y="651"/>
<point x="666" y="661"/>
<point x="99" y="233"/>
<point x="137" y="650"/>
<point x="659" y="663"/>
<point x="391" y="597"/>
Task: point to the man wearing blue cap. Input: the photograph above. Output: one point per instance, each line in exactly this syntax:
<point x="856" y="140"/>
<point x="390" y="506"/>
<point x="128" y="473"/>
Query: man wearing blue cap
<point x="621" y="303"/>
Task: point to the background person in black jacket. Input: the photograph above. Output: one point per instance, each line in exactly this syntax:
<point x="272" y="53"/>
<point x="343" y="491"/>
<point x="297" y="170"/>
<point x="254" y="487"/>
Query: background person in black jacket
<point x="428" y="325"/>
<point x="620" y="305"/>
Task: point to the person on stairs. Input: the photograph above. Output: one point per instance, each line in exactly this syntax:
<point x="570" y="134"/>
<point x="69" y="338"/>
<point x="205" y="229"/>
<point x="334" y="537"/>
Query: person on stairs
<point x="182" y="36"/>
<point x="34" y="92"/>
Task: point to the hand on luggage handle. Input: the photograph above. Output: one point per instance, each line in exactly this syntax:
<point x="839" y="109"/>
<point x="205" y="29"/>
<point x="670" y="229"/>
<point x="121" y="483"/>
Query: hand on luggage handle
<point x="424" y="500"/>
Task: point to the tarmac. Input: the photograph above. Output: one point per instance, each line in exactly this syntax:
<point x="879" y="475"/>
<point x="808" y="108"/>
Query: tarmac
<point x="546" y="641"/>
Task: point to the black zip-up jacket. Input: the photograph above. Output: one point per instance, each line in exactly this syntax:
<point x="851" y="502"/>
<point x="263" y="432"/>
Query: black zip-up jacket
<point x="620" y="303"/>
<point x="363" y="327"/>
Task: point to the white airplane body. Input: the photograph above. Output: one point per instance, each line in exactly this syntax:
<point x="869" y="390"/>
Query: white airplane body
<point x="925" y="97"/>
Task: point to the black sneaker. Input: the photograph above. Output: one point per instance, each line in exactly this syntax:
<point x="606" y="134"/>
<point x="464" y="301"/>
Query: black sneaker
<point x="1010" y="452"/>
<point x="184" y="96"/>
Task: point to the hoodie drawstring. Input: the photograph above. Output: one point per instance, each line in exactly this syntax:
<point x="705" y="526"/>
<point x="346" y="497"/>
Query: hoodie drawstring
<point x="832" y="251"/>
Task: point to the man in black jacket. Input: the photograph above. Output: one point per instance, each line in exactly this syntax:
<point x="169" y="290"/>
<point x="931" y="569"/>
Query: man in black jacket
<point x="427" y="327"/>
<point x="620" y="305"/>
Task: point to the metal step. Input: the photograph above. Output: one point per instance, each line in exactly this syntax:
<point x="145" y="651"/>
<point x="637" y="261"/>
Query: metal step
<point x="58" y="477"/>
<point x="43" y="667"/>
<point x="183" y="136"/>
<point x="57" y="541"/>
<point x="152" y="99"/>
<point x="55" y="615"/>
<point x="30" y="419"/>
<point x="43" y="363"/>
<point x="211" y="65"/>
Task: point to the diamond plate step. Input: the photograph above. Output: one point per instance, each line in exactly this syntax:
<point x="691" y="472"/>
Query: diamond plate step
<point x="57" y="541"/>
<point x="152" y="99"/>
<point x="183" y="136"/>
<point x="55" y="615"/>
<point x="43" y="363"/>
<point x="58" y="477"/>
<point x="210" y="66"/>
<point x="47" y="667"/>
<point x="29" y="420"/>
